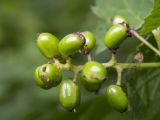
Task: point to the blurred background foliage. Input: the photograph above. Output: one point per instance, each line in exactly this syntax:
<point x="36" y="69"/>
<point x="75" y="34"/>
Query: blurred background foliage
<point x="20" y="23"/>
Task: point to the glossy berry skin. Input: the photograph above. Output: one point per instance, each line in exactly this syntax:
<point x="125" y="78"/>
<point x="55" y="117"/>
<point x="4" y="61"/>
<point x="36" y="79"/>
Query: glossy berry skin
<point x="94" y="72"/>
<point x="115" y="36"/>
<point x="71" y="44"/>
<point x="39" y="82"/>
<point x="48" y="45"/>
<point x="47" y="76"/>
<point x="90" y="42"/>
<point x="69" y="94"/>
<point x="116" y="98"/>
<point x="91" y="87"/>
<point x="119" y="20"/>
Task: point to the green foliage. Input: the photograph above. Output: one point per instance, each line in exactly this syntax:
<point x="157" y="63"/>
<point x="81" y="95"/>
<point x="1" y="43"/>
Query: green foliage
<point x="134" y="10"/>
<point x="20" y="23"/>
<point x="21" y="99"/>
<point x="142" y="84"/>
<point x="152" y="21"/>
<point x="156" y="33"/>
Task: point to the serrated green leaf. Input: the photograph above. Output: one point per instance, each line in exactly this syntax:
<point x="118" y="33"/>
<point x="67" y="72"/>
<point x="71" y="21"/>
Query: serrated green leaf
<point x="153" y="20"/>
<point x="107" y="9"/>
<point x="134" y="10"/>
<point x="143" y="86"/>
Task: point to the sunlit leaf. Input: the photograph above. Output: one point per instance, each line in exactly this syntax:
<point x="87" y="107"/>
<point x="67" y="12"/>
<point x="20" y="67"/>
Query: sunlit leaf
<point x="152" y="21"/>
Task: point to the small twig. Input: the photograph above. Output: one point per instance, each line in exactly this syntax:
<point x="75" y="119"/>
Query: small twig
<point x="139" y="37"/>
<point x="113" y="59"/>
<point x="89" y="57"/>
<point x="75" y="77"/>
<point x="119" y="75"/>
<point x="78" y="68"/>
<point x="138" y="65"/>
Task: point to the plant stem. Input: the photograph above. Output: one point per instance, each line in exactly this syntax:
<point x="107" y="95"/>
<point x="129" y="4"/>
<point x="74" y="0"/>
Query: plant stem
<point x="78" y="68"/>
<point x="75" y="77"/>
<point x="111" y="62"/>
<point x="138" y="65"/>
<point x="113" y="59"/>
<point x="139" y="37"/>
<point x="119" y="75"/>
<point x="89" y="57"/>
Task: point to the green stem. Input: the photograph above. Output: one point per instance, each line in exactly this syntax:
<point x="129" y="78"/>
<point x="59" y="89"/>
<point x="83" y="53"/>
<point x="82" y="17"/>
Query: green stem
<point x="139" y="37"/>
<point x="78" y="68"/>
<point x="111" y="62"/>
<point x="119" y="75"/>
<point x="89" y="57"/>
<point x="138" y="65"/>
<point x="75" y="77"/>
<point x="113" y="59"/>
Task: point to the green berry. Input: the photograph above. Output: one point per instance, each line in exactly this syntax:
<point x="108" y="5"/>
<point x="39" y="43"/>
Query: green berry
<point x="90" y="42"/>
<point x="71" y="44"/>
<point x="115" y="36"/>
<point x="47" y="76"/>
<point x="119" y="20"/>
<point x="48" y="45"/>
<point x="69" y="94"/>
<point x="116" y="98"/>
<point x="39" y="82"/>
<point x="91" y="87"/>
<point x="94" y="72"/>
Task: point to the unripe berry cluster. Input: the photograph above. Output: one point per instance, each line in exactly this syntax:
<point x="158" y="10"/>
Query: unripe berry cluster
<point x="92" y="74"/>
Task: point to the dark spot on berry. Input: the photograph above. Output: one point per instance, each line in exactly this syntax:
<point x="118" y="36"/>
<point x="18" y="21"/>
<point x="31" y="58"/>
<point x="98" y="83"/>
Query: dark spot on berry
<point x="82" y="37"/>
<point x="44" y="69"/>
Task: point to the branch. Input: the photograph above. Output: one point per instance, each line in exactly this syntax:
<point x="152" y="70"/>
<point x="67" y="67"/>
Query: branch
<point x="111" y="64"/>
<point x="138" y="65"/>
<point x="119" y="75"/>
<point x="139" y="37"/>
